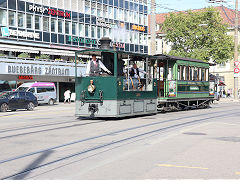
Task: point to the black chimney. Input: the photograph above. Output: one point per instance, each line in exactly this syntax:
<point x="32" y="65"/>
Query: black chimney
<point x="105" y="43"/>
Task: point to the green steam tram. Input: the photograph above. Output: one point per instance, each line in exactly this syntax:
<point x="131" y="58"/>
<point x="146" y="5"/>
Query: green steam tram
<point x="165" y="83"/>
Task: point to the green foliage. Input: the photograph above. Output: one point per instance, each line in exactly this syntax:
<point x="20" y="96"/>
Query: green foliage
<point x="2" y="54"/>
<point x="24" y="55"/>
<point x="43" y="56"/>
<point x="199" y="35"/>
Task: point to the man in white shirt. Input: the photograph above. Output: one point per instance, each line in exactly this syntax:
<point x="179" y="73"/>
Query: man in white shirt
<point x="94" y="66"/>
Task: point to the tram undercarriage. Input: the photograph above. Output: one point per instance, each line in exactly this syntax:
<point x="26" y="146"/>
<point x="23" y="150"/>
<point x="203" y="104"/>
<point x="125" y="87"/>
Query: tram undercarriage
<point x="183" y="104"/>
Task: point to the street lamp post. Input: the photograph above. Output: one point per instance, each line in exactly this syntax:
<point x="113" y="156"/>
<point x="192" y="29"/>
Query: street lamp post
<point x="236" y="50"/>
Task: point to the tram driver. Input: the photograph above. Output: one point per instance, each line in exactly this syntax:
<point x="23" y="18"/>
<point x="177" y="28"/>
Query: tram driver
<point x="94" y="67"/>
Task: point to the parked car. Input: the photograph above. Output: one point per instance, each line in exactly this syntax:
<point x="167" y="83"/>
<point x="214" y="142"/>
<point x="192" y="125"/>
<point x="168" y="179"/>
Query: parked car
<point x="17" y="100"/>
<point x="44" y="91"/>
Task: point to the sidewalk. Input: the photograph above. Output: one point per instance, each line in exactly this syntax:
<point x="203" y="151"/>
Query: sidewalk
<point x="229" y="99"/>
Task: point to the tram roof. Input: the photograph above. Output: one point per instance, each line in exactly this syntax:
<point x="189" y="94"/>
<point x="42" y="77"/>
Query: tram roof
<point x="123" y="53"/>
<point x="166" y="57"/>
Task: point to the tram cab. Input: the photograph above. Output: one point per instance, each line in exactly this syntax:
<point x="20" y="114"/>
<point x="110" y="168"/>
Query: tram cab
<point x="118" y="94"/>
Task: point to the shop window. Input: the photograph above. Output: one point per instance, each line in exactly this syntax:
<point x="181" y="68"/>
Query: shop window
<point x="53" y="25"/>
<point x="12" y="4"/>
<point x="12" y="18"/>
<point x="93" y="31"/>
<point x="46" y="24"/>
<point x="3" y="3"/>
<point x="38" y="22"/>
<point x="81" y="30"/>
<point x="74" y="28"/>
<point x="67" y="27"/>
<point x="3" y="17"/>
<point x="60" y="26"/>
<point x="86" y="30"/>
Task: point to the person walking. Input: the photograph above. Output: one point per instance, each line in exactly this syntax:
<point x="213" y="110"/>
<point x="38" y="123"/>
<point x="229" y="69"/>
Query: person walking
<point x="67" y="96"/>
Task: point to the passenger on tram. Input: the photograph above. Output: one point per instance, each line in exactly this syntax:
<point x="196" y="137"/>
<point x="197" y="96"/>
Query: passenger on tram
<point x="94" y="67"/>
<point x="136" y="78"/>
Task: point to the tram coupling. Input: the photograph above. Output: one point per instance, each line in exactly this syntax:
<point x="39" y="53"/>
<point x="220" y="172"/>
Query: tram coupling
<point x="92" y="108"/>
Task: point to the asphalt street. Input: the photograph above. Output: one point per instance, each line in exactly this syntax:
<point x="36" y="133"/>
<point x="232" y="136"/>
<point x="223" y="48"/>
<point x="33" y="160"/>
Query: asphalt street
<point x="51" y="143"/>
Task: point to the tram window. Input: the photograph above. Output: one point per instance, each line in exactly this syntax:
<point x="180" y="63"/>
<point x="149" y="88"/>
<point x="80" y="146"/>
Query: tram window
<point x="108" y="60"/>
<point x="179" y="73"/>
<point x="187" y="73"/>
<point x="199" y="74"/>
<point x="191" y="73"/>
<point x="184" y="73"/>
<point x="207" y="74"/>
<point x="203" y="75"/>
<point x="170" y="73"/>
<point x="195" y="75"/>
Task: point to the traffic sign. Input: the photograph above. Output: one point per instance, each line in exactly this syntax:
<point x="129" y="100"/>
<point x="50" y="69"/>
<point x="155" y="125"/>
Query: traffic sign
<point x="236" y="63"/>
<point x="236" y="70"/>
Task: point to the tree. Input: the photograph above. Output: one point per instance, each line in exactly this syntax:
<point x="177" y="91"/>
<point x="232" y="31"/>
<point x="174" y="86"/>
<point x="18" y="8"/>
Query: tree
<point x="199" y="35"/>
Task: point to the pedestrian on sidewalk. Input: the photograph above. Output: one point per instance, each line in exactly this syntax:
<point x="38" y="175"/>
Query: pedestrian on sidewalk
<point x="67" y="96"/>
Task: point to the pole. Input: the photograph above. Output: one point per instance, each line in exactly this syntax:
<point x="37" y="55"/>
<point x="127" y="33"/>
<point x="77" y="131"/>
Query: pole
<point x="152" y="28"/>
<point x="236" y="50"/>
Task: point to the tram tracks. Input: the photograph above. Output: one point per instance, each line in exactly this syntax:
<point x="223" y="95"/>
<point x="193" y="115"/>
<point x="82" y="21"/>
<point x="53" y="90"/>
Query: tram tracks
<point x="127" y="138"/>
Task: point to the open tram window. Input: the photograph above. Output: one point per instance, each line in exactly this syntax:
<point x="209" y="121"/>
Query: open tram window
<point x="138" y="74"/>
<point x="203" y="77"/>
<point x="195" y="74"/>
<point x="187" y="73"/>
<point x="207" y="75"/>
<point x="184" y="73"/>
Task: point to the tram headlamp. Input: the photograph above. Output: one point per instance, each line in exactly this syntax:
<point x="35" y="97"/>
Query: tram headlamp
<point x="91" y="87"/>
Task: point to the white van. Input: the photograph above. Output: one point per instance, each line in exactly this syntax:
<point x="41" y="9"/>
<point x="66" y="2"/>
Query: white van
<point x="44" y="91"/>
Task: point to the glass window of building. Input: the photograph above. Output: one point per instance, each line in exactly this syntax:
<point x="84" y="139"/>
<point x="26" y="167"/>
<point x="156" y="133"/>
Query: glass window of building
<point x="86" y="30"/>
<point x="105" y="32"/>
<point x="110" y="12"/>
<point x="21" y="20"/>
<point x="126" y="18"/>
<point x="141" y="19"/>
<point x="120" y="14"/>
<point x="140" y="38"/>
<point x="67" y="27"/>
<point x="93" y="32"/>
<point x="81" y="30"/>
<point x="3" y="17"/>
<point x="131" y="16"/>
<point x="105" y="11"/>
<point x="46" y="24"/>
<point x="93" y="9"/>
<point x="135" y="18"/>
<point x="99" y="10"/>
<point x="145" y="20"/>
<point x="131" y="37"/>
<point x="29" y="21"/>
<point x="115" y="13"/>
<point x="74" y="28"/>
<point x="53" y="25"/>
<point x="136" y="38"/>
<point x="87" y="7"/>
<point x="110" y="34"/>
<point x="99" y="34"/>
<point x="11" y="18"/>
<point x="60" y="26"/>
<point x="38" y="22"/>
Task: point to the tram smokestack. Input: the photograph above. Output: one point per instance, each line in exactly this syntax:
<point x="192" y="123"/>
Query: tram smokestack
<point x="105" y="43"/>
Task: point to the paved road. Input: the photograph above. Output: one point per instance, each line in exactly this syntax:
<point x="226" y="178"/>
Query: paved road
<point x="50" y="143"/>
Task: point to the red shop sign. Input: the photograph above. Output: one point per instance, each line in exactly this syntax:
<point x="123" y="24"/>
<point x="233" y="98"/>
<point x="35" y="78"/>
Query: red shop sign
<point x="25" y="77"/>
<point x="59" y="13"/>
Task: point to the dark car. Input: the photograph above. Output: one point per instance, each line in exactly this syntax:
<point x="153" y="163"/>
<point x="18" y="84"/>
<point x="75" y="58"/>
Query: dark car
<point x="17" y="100"/>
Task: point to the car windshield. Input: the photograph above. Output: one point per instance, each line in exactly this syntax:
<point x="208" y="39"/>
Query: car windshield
<point x="24" y="89"/>
<point x="4" y="94"/>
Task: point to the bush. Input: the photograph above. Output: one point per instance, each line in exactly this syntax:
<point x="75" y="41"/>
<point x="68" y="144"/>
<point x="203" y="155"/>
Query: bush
<point x="24" y="55"/>
<point x="43" y="56"/>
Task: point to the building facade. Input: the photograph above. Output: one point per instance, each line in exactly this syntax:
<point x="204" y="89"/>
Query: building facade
<point x="57" y="28"/>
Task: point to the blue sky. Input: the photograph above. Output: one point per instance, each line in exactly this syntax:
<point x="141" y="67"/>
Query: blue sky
<point x="179" y="5"/>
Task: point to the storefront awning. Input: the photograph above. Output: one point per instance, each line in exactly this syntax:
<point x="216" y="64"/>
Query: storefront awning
<point x="15" y="48"/>
<point x="57" y="52"/>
